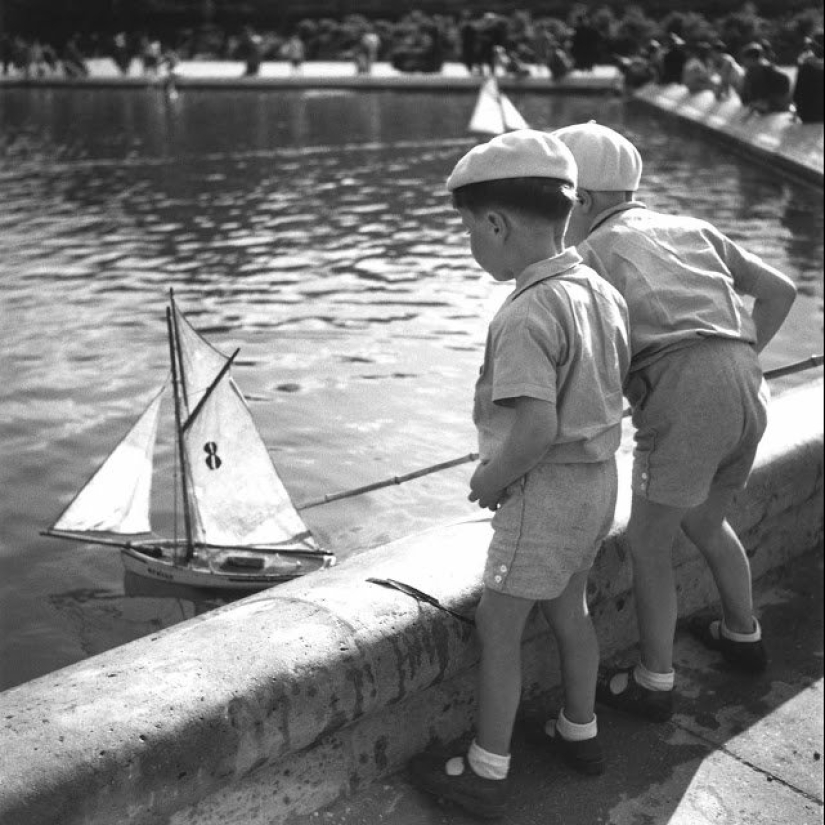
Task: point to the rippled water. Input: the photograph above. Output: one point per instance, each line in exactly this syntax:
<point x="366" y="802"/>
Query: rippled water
<point x="312" y="231"/>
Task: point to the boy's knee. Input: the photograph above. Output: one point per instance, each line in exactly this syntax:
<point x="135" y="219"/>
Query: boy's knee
<point x="496" y="624"/>
<point x="652" y="529"/>
<point x="706" y="522"/>
<point x="568" y="625"/>
<point x="700" y="529"/>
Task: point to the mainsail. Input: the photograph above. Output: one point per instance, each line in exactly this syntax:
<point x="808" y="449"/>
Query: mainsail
<point x="494" y="113"/>
<point x="116" y="498"/>
<point x="235" y="494"/>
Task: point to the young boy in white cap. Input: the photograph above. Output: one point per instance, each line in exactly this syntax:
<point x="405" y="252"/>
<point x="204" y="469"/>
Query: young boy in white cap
<point x="698" y="400"/>
<point x="548" y="408"/>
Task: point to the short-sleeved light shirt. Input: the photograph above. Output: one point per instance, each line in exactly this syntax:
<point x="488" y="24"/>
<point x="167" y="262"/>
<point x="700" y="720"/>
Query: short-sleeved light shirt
<point x="561" y="336"/>
<point x="681" y="277"/>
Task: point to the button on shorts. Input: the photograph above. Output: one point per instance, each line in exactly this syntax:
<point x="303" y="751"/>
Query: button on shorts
<point x="699" y="414"/>
<point x="550" y="526"/>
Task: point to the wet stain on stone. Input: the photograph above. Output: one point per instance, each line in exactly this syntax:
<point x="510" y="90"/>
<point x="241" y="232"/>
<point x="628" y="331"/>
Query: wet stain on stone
<point x="708" y="721"/>
<point x="380" y="748"/>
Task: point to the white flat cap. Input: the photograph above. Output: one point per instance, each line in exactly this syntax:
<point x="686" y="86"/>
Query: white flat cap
<point x="524" y="153"/>
<point x="607" y="161"/>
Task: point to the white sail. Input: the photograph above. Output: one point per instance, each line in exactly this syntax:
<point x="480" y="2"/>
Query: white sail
<point x="494" y="113"/>
<point x="235" y="493"/>
<point x="116" y="498"/>
<point x="201" y="361"/>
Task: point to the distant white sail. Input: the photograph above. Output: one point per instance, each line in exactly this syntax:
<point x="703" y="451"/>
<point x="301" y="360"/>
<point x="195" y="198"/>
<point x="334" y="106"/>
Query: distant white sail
<point x="116" y="498"/>
<point x="235" y="493"/>
<point x="494" y="113"/>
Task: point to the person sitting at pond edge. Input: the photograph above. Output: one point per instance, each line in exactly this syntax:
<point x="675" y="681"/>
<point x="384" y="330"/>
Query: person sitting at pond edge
<point x="672" y="59"/>
<point x="697" y="74"/>
<point x="294" y="52"/>
<point x="765" y="87"/>
<point x="809" y="89"/>
<point x="698" y="398"/>
<point x="730" y="74"/>
<point x="548" y="409"/>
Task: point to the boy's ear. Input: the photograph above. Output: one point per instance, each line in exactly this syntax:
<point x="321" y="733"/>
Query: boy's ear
<point x="498" y="223"/>
<point x="585" y="199"/>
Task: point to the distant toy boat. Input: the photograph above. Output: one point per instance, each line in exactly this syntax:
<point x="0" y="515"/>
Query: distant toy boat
<point x="494" y="113"/>
<point x="241" y="530"/>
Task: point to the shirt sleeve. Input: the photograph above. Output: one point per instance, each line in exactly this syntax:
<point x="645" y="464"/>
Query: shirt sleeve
<point x="745" y="268"/>
<point x="525" y="354"/>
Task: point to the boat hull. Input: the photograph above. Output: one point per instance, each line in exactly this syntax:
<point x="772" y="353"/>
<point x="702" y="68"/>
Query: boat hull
<point x="207" y="575"/>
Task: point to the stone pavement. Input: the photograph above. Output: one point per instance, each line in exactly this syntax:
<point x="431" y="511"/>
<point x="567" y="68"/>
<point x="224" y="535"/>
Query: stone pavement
<point x="739" y="751"/>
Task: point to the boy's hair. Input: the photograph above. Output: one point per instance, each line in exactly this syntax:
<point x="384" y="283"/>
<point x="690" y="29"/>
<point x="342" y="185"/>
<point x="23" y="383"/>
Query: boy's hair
<point x="549" y="198"/>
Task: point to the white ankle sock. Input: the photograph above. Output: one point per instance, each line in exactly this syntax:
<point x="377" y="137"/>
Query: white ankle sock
<point x="754" y="636"/>
<point x="571" y="731"/>
<point x="486" y="764"/>
<point x="654" y="681"/>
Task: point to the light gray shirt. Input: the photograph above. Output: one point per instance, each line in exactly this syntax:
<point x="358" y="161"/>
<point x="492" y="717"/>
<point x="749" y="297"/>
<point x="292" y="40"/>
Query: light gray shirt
<point x="560" y="336"/>
<point x="682" y="279"/>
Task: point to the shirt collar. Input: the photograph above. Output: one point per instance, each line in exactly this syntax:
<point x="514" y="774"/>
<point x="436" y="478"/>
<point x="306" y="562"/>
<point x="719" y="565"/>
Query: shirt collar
<point x="547" y="268"/>
<point x="608" y="213"/>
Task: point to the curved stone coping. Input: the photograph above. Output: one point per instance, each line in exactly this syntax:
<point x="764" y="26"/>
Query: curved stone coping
<point x="285" y="700"/>
<point x="793" y="146"/>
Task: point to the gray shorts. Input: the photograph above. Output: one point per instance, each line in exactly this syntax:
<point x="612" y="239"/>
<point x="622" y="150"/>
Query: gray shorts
<point x="699" y="414"/>
<point x="549" y="527"/>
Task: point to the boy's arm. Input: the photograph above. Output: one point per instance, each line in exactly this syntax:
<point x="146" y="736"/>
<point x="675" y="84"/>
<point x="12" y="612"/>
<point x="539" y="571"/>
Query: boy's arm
<point x="532" y="433"/>
<point x="774" y="293"/>
<point x="774" y="296"/>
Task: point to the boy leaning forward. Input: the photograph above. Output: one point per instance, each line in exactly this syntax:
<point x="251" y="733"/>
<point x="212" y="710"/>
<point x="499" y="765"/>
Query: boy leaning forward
<point x="698" y="397"/>
<point x="548" y="409"/>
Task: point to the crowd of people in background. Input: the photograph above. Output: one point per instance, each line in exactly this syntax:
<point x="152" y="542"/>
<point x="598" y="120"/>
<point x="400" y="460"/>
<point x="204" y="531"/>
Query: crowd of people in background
<point x="680" y="49"/>
<point x="759" y="82"/>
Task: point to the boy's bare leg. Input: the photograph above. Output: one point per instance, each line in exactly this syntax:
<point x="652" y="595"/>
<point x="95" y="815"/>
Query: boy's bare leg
<point x="651" y="532"/>
<point x="707" y="527"/>
<point x="500" y="621"/>
<point x="570" y="621"/>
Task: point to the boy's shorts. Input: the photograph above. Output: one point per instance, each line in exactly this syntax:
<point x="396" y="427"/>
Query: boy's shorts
<point x="549" y="527"/>
<point x="699" y="414"/>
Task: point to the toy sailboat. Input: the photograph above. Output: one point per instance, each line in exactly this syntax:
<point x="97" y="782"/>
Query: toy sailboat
<point x="494" y="112"/>
<point x="241" y="530"/>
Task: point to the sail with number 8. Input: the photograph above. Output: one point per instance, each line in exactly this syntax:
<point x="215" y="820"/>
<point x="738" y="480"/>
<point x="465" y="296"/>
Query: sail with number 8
<point x="241" y="530"/>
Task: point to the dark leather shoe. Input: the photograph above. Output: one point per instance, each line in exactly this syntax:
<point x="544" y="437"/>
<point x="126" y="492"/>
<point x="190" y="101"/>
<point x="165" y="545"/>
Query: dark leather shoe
<point x="654" y="705"/>
<point x="584" y="756"/>
<point x="750" y="657"/>
<point x="486" y="798"/>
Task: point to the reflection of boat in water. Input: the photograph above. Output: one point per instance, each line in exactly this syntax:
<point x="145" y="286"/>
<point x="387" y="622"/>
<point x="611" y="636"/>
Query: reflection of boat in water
<point x="494" y="112"/>
<point x="99" y="619"/>
<point x="241" y="531"/>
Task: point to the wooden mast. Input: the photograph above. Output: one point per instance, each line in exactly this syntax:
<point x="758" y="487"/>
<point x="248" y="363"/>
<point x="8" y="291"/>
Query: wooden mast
<point x="177" y="381"/>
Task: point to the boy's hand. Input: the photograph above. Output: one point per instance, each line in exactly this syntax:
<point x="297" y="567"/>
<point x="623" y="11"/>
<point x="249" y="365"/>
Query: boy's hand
<point x="487" y="495"/>
<point x="532" y="432"/>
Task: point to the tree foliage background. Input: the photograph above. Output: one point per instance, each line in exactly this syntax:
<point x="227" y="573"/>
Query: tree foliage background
<point x="624" y="26"/>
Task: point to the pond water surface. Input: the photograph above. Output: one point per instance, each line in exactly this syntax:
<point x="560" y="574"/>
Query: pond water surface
<point x="310" y="229"/>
